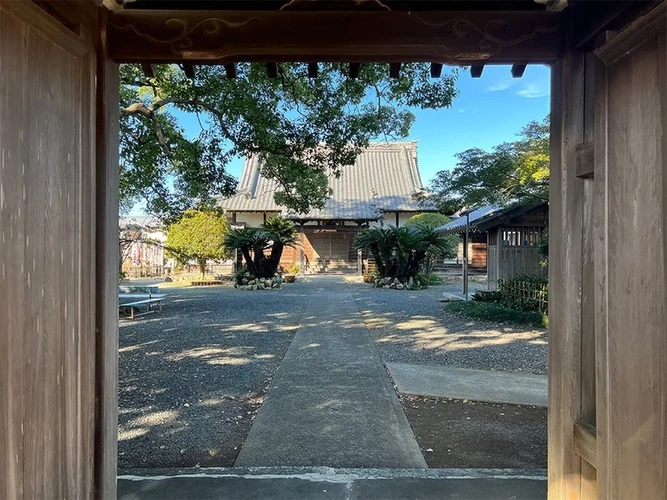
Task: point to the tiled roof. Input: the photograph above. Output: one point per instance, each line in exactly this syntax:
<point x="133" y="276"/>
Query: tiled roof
<point x="483" y="218"/>
<point x="459" y="225"/>
<point x="385" y="177"/>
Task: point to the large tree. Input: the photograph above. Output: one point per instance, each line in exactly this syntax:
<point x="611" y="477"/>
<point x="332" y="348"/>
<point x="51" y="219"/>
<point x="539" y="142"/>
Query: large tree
<point x="511" y="171"/>
<point x="178" y="135"/>
<point x="198" y="236"/>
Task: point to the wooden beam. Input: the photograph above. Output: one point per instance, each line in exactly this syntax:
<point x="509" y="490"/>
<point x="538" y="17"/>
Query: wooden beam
<point x="230" y="70"/>
<point x="148" y="69"/>
<point x="584" y="163"/>
<point x="395" y="70"/>
<point x="354" y="70"/>
<point x="518" y="70"/>
<point x="436" y="70"/>
<point x="272" y="70"/>
<point x="476" y="71"/>
<point x="619" y="44"/>
<point x="189" y="71"/>
<point x="312" y="70"/>
<point x="214" y="37"/>
<point x="585" y="442"/>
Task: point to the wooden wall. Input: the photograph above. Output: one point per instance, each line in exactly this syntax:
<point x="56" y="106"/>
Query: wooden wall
<point x="608" y="283"/>
<point x="630" y="249"/>
<point x="49" y="421"/>
<point x="515" y="261"/>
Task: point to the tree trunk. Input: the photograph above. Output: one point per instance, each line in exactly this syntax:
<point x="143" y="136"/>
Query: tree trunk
<point x="274" y="259"/>
<point x="248" y="260"/>
<point x="202" y="267"/>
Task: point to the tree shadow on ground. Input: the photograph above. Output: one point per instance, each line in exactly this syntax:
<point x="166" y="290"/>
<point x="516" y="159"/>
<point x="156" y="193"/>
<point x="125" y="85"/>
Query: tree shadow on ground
<point x="412" y="327"/>
<point x="192" y="377"/>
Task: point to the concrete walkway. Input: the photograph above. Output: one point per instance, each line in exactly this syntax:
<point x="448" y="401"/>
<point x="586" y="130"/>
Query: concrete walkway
<point x="331" y="402"/>
<point x="315" y="483"/>
<point x="476" y="385"/>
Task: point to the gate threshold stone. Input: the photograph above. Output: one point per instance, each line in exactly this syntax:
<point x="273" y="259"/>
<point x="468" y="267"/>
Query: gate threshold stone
<point x="331" y="402"/>
<point x="463" y="383"/>
<point x="312" y="483"/>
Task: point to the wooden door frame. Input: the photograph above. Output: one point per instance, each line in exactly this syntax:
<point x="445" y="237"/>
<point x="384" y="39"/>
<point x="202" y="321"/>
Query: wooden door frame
<point x="107" y="250"/>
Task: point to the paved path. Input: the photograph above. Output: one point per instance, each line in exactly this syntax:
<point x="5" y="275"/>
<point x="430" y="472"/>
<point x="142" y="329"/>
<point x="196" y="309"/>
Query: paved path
<point x="477" y="385"/>
<point x="331" y="402"/>
<point x="322" y="483"/>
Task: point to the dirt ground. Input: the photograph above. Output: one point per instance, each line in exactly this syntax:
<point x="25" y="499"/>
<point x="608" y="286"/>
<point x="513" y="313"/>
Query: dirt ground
<point x="454" y="433"/>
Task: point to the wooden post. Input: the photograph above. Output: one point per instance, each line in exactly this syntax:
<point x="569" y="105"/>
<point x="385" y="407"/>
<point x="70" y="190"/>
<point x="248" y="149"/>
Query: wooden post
<point x="565" y="276"/>
<point x="302" y="252"/>
<point x="106" y="359"/>
<point x="466" y="238"/>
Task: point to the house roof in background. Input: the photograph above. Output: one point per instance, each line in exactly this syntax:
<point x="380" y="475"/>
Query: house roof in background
<point x="488" y="216"/>
<point x="459" y="225"/>
<point x="143" y="221"/>
<point x="384" y="178"/>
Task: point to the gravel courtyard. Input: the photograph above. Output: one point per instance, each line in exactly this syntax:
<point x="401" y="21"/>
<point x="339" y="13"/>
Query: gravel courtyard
<point x="193" y="377"/>
<point x="411" y="327"/>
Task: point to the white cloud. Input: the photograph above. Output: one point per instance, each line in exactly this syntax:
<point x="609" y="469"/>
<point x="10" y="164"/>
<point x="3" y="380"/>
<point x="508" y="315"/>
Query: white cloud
<point x="532" y="90"/>
<point x="499" y="87"/>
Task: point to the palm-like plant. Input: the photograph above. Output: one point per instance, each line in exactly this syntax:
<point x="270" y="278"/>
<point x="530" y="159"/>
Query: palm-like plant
<point x="400" y="252"/>
<point x="276" y="234"/>
<point x="283" y="234"/>
<point x="380" y="243"/>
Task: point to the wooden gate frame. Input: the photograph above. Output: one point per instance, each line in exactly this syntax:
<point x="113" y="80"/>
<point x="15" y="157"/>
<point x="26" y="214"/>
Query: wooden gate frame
<point x="587" y="348"/>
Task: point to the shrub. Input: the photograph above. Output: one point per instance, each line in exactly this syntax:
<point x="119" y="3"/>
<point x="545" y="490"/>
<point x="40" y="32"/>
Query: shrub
<point x="496" y="313"/>
<point x="487" y="296"/>
<point x="525" y="293"/>
<point x="435" y="280"/>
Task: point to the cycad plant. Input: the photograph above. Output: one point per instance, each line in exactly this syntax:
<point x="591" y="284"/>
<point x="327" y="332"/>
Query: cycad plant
<point x="275" y="235"/>
<point x="400" y="252"/>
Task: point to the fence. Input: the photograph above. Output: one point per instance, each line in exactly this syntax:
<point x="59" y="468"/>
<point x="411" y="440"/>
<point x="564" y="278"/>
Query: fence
<point x="526" y="293"/>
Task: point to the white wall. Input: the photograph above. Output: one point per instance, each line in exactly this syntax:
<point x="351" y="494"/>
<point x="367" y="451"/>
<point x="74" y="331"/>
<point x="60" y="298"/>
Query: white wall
<point x="404" y="217"/>
<point x="252" y="219"/>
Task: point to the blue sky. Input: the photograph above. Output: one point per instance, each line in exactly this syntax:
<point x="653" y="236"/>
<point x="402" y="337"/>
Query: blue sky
<point x="488" y="111"/>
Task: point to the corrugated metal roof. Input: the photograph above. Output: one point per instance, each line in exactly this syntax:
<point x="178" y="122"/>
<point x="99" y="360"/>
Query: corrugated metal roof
<point x="385" y="177"/>
<point x="459" y="225"/>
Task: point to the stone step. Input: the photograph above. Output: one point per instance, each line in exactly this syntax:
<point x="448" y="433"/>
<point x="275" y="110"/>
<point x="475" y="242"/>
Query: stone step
<point x="312" y="483"/>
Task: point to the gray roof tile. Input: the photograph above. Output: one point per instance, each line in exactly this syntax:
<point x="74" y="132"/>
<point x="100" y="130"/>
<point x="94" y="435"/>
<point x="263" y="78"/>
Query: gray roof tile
<point x="384" y="178"/>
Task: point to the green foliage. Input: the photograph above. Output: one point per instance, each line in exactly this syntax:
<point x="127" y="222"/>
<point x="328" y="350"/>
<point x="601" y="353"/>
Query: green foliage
<point x="276" y="234"/>
<point x="543" y="248"/>
<point x="428" y="219"/>
<point x="496" y="313"/>
<point x="487" y="296"/>
<point x="401" y="252"/>
<point x="523" y="293"/>
<point x="283" y="120"/>
<point x="198" y="236"/>
<point x="526" y="293"/>
<point x="510" y="171"/>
